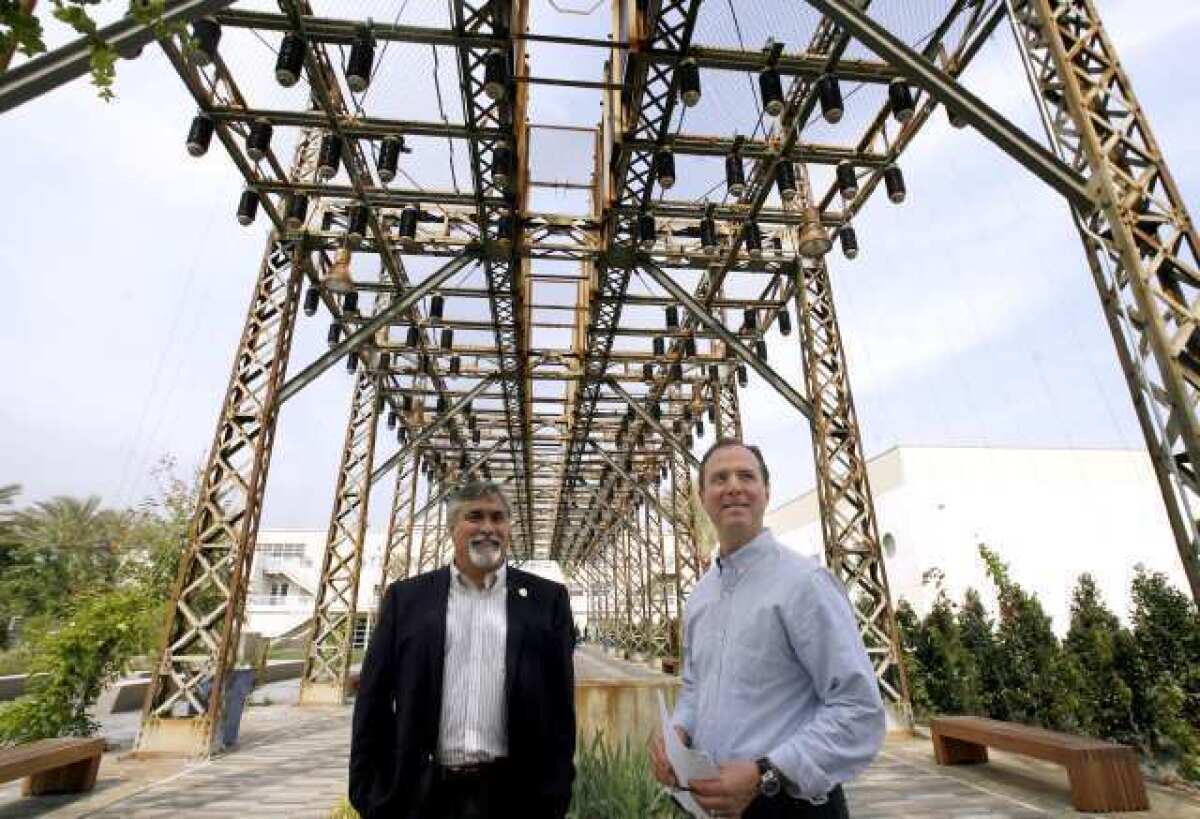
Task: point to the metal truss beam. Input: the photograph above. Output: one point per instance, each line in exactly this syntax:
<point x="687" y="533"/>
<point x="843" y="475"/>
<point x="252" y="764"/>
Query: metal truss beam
<point x="689" y="562"/>
<point x="643" y="110"/>
<point x="732" y="342"/>
<point x="1140" y="242"/>
<point x="204" y="618"/>
<point x="350" y="125"/>
<point x="808" y="152"/>
<point x="343" y="31"/>
<point x="127" y="37"/>
<point x="398" y="306"/>
<point x="633" y="482"/>
<point x="728" y="410"/>
<point x="400" y="526"/>
<point x="991" y="124"/>
<point x="848" y="523"/>
<point x="650" y="420"/>
<point x="429" y="430"/>
<point x="503" y="268"/>
<point x="327" y="654"/>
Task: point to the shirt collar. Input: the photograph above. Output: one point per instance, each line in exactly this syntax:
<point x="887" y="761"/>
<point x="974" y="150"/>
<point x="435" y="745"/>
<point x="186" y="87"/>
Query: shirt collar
<point x="746" y="555"/>
<point x="491" y="581"/>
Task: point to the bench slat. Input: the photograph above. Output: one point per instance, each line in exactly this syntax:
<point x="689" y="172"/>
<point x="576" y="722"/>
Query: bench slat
<point x="1104" y="776"/>
<point x="46" y="754"/>
<point x="1024" y="739"/>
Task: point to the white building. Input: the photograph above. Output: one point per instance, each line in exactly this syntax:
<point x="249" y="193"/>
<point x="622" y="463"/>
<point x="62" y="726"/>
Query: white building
<point x="287" y="571"/>
<point x="1051" y="514"/>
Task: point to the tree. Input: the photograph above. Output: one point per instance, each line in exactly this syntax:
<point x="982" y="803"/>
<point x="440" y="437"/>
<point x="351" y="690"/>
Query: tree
<point x="1096" y="645"/>
<point x="1034" y="683"/>
<point x="89" y="638"/>
<point x="977" y="632"/>
<point x="1164" y="671"/>
<point x="75" y="661"/>
<point x="8" y="558"/>
<point x="911" y="636"/>
<point x="951" y="676"/>
<point x="59" y="548"/>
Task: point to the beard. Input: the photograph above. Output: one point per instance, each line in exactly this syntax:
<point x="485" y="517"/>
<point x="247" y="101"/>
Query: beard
<point x="485" y="553"/>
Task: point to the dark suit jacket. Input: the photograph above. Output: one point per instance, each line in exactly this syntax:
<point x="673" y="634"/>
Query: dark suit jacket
<point x="393" y="751"/>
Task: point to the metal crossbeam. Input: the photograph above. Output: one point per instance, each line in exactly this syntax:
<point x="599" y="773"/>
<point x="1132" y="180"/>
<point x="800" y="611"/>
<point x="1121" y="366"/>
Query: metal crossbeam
<point x="398" y="306"/>
<point x="1009" y="138"/>
<point x="127" y="37"/>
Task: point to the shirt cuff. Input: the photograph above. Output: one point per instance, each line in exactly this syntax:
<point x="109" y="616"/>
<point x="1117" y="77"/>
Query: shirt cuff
<point x="813" y="782"/>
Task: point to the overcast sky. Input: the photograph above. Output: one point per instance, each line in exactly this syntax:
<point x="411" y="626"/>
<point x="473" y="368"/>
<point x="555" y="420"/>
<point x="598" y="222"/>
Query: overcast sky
<point x="970" y="316"/>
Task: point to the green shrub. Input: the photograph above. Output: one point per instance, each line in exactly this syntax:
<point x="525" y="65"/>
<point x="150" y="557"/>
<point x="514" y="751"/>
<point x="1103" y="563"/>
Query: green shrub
<point x="344" y="810"/>
<point x="1035" y="683"/>
<point x="615" y="781"/>
<point x="14" y="661"/>
<point x="78" y="659"/>
<point x="910" y="637"/>
<point x="1098" y="646"/>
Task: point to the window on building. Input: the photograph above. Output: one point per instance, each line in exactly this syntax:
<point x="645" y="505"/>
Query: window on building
<point x="292" y="550"/>
<point x="279" y="591"/>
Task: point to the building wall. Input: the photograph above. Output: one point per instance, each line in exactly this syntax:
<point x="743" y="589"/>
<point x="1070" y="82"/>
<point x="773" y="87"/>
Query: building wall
<point x="293" y="557"/>
<point x="1051" y="514"/>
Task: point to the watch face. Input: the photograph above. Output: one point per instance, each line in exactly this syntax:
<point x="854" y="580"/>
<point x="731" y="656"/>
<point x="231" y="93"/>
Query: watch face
<point x="769" y="783"/>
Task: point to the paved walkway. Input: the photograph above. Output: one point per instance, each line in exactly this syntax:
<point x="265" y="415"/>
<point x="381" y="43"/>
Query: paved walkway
<point x="292" y="763"/>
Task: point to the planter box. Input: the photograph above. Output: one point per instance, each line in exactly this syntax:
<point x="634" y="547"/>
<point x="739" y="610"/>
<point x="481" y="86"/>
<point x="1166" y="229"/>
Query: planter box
<point x="621" y="708"/>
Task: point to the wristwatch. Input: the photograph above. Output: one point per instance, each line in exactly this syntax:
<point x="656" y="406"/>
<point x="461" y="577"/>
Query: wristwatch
<point x="768" y="778"/>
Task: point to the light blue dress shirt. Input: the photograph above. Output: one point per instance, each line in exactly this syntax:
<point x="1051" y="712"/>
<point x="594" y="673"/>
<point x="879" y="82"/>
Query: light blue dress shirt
<point x="774" y="666"/>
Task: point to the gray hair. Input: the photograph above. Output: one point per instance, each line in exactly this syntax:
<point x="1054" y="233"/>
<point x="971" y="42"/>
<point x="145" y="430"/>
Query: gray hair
<point x="473" y="491"/>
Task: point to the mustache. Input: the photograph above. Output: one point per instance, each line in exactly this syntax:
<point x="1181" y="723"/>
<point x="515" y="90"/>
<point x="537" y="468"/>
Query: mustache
<point x="485" y="541"/>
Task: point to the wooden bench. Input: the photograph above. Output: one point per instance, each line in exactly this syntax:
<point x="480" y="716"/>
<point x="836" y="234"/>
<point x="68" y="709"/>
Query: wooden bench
<point x="64" y="765"/>
<point x="1104" y="776"/>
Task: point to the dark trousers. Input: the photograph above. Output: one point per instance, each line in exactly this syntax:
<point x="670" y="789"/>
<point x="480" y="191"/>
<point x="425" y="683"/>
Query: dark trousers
<point x="476" y="794"/>
<point x="782" y="806"/>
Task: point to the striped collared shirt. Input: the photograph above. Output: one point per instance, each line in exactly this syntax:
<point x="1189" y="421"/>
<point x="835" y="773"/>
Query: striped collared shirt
<point x="473" y="726"/>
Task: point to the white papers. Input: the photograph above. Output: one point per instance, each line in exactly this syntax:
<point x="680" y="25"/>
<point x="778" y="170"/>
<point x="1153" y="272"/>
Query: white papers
<point x="688" y="763"/>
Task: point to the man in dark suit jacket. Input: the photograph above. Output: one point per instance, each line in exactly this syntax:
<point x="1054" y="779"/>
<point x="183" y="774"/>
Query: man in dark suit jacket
<point x="466" y="703"/>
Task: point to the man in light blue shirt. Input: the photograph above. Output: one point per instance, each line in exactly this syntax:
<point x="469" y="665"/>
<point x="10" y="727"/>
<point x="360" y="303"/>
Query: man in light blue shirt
<point x="777" y="686"/>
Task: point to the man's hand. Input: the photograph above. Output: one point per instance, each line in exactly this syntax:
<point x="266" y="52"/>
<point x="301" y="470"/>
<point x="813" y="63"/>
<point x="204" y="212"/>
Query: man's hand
<point x="731" y="792"/>
<point x="658" y="757"/>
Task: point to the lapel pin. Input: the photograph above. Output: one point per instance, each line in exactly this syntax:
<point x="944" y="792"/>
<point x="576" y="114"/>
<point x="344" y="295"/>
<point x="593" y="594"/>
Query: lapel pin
<point x="524" y="592"/>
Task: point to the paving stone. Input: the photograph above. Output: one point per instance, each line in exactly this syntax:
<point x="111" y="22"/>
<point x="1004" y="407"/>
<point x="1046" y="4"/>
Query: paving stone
<point x="292" y="763"/>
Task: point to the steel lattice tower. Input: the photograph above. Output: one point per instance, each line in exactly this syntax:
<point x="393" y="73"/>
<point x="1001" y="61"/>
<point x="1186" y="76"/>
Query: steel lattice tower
<point x="439" y="295"/>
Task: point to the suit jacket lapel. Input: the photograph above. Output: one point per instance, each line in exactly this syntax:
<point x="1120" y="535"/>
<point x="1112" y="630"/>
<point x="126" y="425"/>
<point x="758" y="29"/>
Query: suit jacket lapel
<point x="517" y="612"/>
<point x="437" y="641"/>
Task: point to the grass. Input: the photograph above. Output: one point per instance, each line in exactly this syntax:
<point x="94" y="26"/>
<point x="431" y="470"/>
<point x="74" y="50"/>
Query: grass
<point x="343" y="810"/>
<point x="14" y="661"/>
<point x="614" y="780"/>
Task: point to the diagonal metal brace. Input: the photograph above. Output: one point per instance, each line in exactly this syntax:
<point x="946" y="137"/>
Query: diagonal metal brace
<point x="352" y="342"/>
<point x="942" y="87"/>
<point x="472" y="467"/>
<point x="433" y="426"/>
<point x="645" y="415"/>
<point x="641" y="490"/>
<point x="731" y="340"/>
